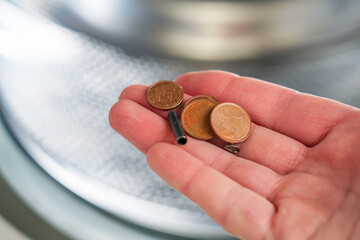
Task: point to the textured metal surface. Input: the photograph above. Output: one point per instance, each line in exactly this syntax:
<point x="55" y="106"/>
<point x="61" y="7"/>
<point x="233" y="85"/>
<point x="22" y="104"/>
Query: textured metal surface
<point x="57" y="87"/>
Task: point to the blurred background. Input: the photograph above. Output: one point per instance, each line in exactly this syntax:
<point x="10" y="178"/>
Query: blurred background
<point x="65" y="174"/>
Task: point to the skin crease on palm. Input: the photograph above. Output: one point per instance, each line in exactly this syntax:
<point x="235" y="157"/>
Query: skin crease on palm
<point x="296" y="177"/>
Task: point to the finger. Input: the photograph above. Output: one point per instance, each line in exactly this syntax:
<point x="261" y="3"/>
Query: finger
<point x="264" y="146"/>
<point x="124" y="118"/>
<point x="249" y="174"/>
<point x="132" y="121"/>
<point x="300" y="116"/>
<point x="239" y="210"/>
<point x="274" y="150"/>
<point x="271" y="149"/>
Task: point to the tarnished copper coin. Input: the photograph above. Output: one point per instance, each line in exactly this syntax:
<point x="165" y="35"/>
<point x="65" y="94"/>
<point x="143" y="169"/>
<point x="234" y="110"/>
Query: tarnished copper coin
<point x="165" y="95"/>
<point x="230" y="122"/>
<point x="195" y="117"/>
<point x="206" y="97"/>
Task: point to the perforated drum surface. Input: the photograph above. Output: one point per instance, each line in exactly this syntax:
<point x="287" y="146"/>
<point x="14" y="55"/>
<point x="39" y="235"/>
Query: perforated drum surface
<point x="57" y="87"/>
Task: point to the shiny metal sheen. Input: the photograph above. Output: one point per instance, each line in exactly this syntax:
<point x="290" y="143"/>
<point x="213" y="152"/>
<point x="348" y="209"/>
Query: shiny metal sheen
<point x="177" y="128"/>
<point x="232" y="148"/>
<point x="57" y="87"/>
<point x="209" y="30"/>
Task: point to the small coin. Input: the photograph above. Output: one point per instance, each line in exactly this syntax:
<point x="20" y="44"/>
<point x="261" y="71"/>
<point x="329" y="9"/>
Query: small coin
<point x="195" y="117"/>
<point x="207" y="97"/>
<point x="230" y="122"/>
<point x="165" y="95"/>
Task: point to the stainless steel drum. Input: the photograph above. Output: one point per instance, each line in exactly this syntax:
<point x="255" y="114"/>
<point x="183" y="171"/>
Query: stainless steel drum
<point x="207" y="29"/>
<point x="57" y="86"/>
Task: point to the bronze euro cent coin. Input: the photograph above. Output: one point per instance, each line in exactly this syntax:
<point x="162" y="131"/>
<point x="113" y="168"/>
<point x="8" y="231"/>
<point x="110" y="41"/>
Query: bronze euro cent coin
<point x="195" y="117"/>
<point x="206" y="97"/>
<point x="165" y="95"/>
<point x="230" y="122"/>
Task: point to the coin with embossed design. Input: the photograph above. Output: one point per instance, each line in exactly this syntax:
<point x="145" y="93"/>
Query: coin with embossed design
<point x="230" y="122"/>
<point x="195" y="117"/>
<point x="165" y="95"/>
<point x="206" y="97"/>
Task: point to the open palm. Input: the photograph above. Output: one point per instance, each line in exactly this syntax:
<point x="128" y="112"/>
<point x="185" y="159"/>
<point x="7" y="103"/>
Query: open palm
<point x="296" y="177"/>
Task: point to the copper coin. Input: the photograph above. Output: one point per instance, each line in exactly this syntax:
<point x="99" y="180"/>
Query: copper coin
<point x="230" y="122"/>
<point x="195" y="118"/>
<point x="209" y="98"/>
<point x="165" y="95"/>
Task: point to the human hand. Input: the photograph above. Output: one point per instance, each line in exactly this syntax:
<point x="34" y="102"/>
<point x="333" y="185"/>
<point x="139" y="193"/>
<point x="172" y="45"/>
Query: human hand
<point x="297" y="176"/>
